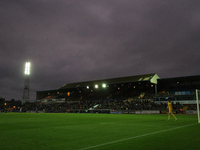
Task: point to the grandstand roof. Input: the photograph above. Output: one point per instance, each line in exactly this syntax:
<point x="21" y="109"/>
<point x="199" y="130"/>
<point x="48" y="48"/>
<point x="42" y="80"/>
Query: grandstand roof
<point x="183" y="78"/>
<point x="152" y="78"/>
<point x="1" y="97"/>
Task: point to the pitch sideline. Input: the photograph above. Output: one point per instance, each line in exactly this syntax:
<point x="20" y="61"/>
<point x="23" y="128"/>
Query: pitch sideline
<point x="95" y="146"/>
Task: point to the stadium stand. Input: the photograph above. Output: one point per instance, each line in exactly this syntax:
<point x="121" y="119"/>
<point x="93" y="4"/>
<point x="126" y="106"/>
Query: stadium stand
<point x="2" y="100"/>
<point x="125" y="94"/>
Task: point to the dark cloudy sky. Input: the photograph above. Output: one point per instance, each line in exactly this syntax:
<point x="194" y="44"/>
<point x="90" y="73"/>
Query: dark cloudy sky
<point x="70" y="41"/>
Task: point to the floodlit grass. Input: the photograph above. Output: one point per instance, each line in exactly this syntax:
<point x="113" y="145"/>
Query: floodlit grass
<point x="59" y="131"/>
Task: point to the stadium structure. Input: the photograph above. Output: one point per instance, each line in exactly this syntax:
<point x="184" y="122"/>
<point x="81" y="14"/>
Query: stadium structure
<point x="100" y="89"/>
<point x="123" y="93"/>
<point x="2" y="101"/>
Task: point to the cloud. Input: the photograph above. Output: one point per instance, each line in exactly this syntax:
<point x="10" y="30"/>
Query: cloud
<point x="72" y="41"/>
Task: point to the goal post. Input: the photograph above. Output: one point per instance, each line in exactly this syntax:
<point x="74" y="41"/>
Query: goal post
<point x="197" y="99"/>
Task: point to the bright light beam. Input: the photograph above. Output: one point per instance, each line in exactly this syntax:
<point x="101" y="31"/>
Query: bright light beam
<point x="104" y="85"/>
<point x="27" y="68"/>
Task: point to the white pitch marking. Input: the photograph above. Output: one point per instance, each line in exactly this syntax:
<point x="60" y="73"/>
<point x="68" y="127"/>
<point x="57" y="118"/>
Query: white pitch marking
<point x="134" y="137"/>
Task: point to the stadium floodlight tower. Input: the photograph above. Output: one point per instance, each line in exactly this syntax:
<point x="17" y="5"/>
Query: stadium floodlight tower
<point x="26" y="83"/>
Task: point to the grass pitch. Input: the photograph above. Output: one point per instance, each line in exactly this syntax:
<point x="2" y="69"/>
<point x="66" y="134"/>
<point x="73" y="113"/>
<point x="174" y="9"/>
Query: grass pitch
<point x="59" y="131"/>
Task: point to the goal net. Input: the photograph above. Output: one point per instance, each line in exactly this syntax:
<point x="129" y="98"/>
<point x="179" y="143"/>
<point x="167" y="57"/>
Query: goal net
<point x="197" y="99"/>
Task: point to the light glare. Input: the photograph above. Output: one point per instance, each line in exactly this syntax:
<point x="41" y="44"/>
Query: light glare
<point x="27" y="68"/>
<point x="104" y="85"/>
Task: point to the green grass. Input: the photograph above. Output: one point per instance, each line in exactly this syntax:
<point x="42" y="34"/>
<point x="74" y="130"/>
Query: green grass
<point x="59" y="131"/>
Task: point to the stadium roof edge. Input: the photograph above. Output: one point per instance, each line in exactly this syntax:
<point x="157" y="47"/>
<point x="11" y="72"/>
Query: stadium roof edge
<point x="47" y="90"/>
<point x="181" y="77"/>
<point x="1" y="97"/>
<point x="137" y="78"/>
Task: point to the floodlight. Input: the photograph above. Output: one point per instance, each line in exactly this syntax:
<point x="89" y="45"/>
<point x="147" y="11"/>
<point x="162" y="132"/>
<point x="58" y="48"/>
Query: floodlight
<point x="87" y="87"/>
<point x="104" y="85"/>
<point x="96" y="86"/>
<point x="27" y="68"/>
<point x="26" y="82"/>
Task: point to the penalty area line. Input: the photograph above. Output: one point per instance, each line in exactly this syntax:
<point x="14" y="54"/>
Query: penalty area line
<point x="134" y="137"/>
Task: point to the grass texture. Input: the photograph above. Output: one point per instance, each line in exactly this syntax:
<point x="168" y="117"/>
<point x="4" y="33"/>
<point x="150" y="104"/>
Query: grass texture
<point x="62" y="131"/>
